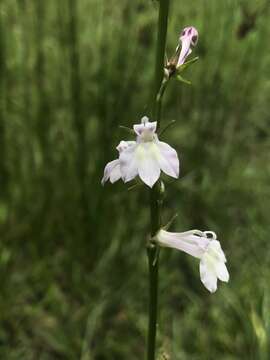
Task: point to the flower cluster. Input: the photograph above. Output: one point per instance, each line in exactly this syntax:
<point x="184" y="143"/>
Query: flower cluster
<point x="146" y="157"/>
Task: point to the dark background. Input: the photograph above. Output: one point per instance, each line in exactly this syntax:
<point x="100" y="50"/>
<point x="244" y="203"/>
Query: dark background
<point x="73" y="266"/>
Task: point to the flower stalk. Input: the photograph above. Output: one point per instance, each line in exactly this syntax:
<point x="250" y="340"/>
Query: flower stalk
<point x="160" y="54"/>
<point x="156" y="192"/>
<point x="146" y="158"/>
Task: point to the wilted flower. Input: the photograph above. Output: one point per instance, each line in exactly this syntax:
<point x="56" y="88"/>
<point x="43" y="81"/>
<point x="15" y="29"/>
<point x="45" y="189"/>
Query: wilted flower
<point x="188" y="38"/>
<point x="146" y="157"/>
<point x="200" y="245"/>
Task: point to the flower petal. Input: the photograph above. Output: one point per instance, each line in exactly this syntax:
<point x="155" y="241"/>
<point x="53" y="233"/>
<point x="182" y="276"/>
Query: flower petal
<point x="222" y="272"/>
<point x="187" y="242"/>
<point x="168" y="159"/>
<point x="112" y="172"/>
<point x="145" y="125"/>
<point x="208" y="276"/>
<point x="214" y="250"/>
<point x="128" y="163"/>
<point x="185" y="52"/>
<point x="148" y="167"/>
<point x="123" y="145"/>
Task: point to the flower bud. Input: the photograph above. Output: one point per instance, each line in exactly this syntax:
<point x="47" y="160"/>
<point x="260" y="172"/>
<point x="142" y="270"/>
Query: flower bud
<point x="189" y="37"/>
<point x="190" y="33"/>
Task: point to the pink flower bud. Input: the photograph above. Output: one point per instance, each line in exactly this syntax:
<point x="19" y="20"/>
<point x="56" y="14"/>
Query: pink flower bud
<point x="188" y="38"/>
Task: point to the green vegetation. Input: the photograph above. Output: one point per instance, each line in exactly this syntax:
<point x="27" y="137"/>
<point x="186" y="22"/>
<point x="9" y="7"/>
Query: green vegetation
<point x="73" y="264"/>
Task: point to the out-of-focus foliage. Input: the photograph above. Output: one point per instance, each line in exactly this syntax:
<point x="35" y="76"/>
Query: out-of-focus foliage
<point x="72" y="253"/>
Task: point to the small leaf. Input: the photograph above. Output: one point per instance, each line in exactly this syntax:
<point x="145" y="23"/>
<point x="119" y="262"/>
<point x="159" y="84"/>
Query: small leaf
<point x="185" y="81"/>
<point x="167" y="226"/>
<point x="130" y="131"/>
<point x="187" y="64"/>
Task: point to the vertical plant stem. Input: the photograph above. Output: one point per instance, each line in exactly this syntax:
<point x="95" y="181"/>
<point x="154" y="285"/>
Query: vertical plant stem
<point x="160" y="54"/>
<point x="153" y="264"/>
<point x="155" y="192"/>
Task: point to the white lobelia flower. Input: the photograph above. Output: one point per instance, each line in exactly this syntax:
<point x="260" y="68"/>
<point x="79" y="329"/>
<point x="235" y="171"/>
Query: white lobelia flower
<point x="145" y="157"/>
<point x="201" y="246"/>
<point x="112" y="170"/>
<point x="148" y="156"/>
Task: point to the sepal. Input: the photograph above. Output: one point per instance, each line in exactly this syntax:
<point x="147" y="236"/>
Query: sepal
<point x="181" y="79"/>
<point x="187" y="64"/>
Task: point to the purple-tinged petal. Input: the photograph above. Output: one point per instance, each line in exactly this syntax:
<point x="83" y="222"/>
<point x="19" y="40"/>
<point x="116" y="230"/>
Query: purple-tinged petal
<point x="187" y="242"/>
<point x="145" y="127"/>
<point x="188" y="38"/>
<point x="128" y="163"/>
<point x="112" y="172"/>
<point x="123" y="145"/>
<point x="168" y="159"/>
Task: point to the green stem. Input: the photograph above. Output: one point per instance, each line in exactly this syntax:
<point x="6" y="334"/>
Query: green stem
<point x="160" y="52"/>
<point x="156" y="192"/>
<point x="159" y="100"/>
<point x="153" y="255"/>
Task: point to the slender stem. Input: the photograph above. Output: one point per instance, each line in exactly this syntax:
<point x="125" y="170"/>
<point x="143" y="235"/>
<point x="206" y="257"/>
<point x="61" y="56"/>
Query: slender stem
<point x="157" y="190"/>
<point x="160" y="52"/>
<point x="153" y="264"/>
<point x="159" y="100"/>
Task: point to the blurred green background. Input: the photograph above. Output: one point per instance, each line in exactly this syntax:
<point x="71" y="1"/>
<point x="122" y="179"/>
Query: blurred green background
<point x="73" y="265"/>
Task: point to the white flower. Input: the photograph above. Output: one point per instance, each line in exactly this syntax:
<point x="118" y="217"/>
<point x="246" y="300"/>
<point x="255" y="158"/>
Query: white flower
<point x="148" y="156"/>
<point x="199" y="245"/>
<point x="112" y="170"/>
<point x="145" y="157"/>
